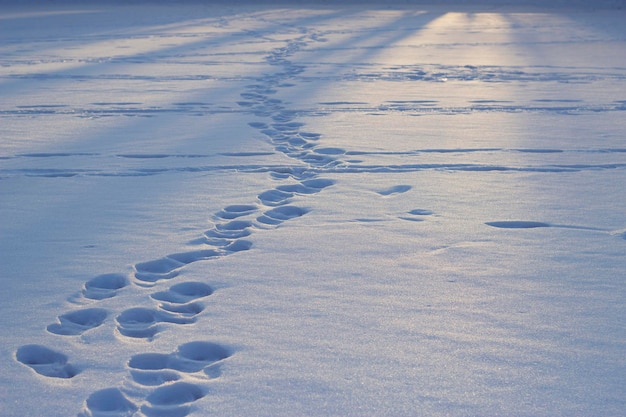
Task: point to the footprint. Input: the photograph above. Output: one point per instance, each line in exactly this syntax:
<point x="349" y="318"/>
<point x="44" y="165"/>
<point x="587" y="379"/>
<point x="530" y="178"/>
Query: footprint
<point x="237" y="210"/>
<point x="45" y="361"/>
<point x="184" y="292"/>
<point x="285" y="116"/>
<point x="297" y="173"/>
<point x="316" y="159"/>
<point x="189" y="358"/>
<point x="172" y="400"/>
<point x="217" y="237"/>
<point x="109" y="402"/>
<point x="194" y="256"/>
<point x="280" y="214"/>
<point x="138" y="323"/>
<point x="397" y="189"/>
<point x="150" y="369"/>
<point x="158" y="269"/>
<point x="297" y="189"/>
<point x="168" y="266"/>
<point x="194" y="356"/>
<point x="319" y="183"/>
<point x="154" y="378"/>
<point x="223" y="234"/>
<point x="287" y="127"/>
<point x="189" y="310"/>
<point x="144" y="323"/>
<point x="78" y="322"/>
<point x="275" y="197"/>
<point x="104" y="286"/>
<point x="233" y="226"/>
<point x="296" y="141"/>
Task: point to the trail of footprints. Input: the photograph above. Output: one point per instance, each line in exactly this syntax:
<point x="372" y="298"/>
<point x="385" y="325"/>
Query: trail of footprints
<point x="168" y="384"/>
<point x="180" y="304"/>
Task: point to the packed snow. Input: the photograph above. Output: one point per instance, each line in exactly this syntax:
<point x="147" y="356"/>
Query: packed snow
<point x="313" y="209"/>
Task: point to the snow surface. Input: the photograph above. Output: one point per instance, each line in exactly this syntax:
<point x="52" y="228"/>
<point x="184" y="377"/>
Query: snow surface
<point x="324" y="209"/>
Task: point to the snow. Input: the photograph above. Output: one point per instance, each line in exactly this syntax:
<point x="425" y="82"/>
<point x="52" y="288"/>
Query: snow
<point x="322" y="208"/>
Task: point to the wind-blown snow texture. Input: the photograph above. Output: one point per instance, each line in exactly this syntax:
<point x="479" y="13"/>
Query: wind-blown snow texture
<point x="322" y="209"/>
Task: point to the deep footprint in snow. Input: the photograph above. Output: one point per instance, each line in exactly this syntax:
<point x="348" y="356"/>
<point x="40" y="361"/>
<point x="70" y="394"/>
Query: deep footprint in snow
<point x="196" y="356"/>
<point x="236" y="210"/>
<point x="216" y="236"/>
<point x="278" y="215"/>
<point x="108" y="402"/>
<point x="158" y="269"/>
<point x="45" y="361"/>
<point x="290" y="127"/>
<point x="283" y="193"/>
<point x="228" y="236"/>
<point x="310" y="186"/>
<point x="184" y="292"/>
<point x="172" y="400"/>
<point x="188" y="358"/>
<point x="183" y="310"/>
<point x="275" y="197"/>
<point x="169" y="266"/>
<point x="297" y="189"/>
<point x="194" y="256"/>
<point x="145" y="323"/>
<point x="77" y="322"/>
<point x="235" y="226"/>
<point x="104" y="286"/>
<point x="152" y="369"/>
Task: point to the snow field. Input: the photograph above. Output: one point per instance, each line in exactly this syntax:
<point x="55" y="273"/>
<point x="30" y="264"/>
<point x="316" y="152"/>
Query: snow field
<point x="272" y="210"/>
